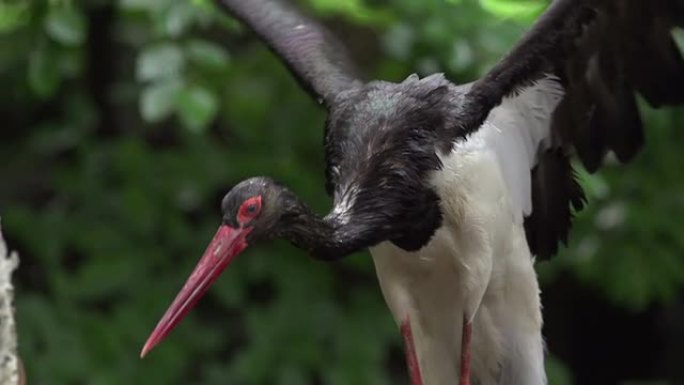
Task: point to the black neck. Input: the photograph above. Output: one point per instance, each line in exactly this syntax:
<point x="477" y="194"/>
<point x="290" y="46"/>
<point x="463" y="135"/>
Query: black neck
<point x="330" y="237"/>
<point x="338" y="235"/>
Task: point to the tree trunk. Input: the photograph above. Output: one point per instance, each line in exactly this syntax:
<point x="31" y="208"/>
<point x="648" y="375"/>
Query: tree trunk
<point x="11" y="370"/>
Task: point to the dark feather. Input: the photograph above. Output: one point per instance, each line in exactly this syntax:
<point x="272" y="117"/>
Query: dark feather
<point x="380" y="147"/>
<point x="316" y="59"/>
<point x="653" y="61"/>
<point x="556" y="195"/>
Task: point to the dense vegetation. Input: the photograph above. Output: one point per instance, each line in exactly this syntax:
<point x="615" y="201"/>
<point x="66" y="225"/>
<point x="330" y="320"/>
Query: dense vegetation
<point x="124" y="123"/>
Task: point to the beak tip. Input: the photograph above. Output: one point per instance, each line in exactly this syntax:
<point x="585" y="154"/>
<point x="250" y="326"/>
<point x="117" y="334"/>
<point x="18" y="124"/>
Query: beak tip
<point x="146" y="349"/>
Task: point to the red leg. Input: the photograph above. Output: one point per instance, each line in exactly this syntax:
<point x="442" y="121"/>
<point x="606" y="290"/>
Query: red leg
<point x="465" y="352"/>
<point x="411" y="357"/>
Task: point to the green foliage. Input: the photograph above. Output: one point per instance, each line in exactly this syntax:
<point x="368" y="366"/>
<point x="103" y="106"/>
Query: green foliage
<point x="12" y="16"/>
<point x="66" y="25"/>
<point x="124" y="138"/>
<point x="355" y="10"/>
<point x="524" y="10"/>
<point x="196" y="107"/>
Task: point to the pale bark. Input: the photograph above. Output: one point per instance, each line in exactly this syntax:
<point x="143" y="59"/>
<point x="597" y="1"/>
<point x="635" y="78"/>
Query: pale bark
<point x="11" y="372"/>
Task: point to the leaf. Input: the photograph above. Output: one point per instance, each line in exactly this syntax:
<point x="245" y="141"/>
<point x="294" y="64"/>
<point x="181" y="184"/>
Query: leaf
<point x="522" y="10"/>
<point x="164" y="60"/>
<point x="157" y="100"/>
<point x="356" y="10"/>
<point x="13" y="16"/>
<point x="201" y="3"/>
<point x="178" y="18"/>
<point x="207" y="54"/>
<point x="197" y="106"/>
<point x="43" y="73"/>
<point x="143" y="5"/>
<point x="66" y="25"/>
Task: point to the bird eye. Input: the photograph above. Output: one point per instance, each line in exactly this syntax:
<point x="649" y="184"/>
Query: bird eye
<point x="249" y="209"/>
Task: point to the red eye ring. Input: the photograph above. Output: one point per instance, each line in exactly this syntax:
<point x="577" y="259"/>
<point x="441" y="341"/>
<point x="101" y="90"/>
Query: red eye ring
<point x="249" y="209"/>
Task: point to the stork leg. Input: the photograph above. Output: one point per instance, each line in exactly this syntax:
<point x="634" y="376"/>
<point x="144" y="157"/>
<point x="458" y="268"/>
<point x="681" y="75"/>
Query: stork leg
<point x="411" y="357"/>
<point x="465" y="352"/>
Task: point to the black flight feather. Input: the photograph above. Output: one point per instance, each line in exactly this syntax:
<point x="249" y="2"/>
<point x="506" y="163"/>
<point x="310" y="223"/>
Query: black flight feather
<point x="316" y="59"/>
<point x="556" y="196"/>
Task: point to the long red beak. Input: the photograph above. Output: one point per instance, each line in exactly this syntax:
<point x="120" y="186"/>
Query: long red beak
<point x="227" y="243"/>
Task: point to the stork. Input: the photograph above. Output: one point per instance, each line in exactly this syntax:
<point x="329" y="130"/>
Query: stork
<point x="455" y="189"/>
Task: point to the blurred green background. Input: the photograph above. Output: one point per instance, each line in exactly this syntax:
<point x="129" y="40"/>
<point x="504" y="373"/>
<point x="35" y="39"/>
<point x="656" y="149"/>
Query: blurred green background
<point x="124" y="123"/>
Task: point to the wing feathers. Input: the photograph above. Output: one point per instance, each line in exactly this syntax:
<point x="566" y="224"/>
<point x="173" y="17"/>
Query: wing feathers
<point x="657" y="68"/>
<point x="604" y="52"/>
<point x="315" y="58"/>
<point x="556" y="195"/>
<point x="540" y="50"/>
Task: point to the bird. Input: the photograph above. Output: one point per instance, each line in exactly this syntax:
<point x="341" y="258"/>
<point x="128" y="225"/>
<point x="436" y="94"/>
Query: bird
<point x="456" y="189"/>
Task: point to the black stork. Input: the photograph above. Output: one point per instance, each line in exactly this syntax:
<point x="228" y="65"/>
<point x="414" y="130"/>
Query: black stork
<point x="455" y="188"/>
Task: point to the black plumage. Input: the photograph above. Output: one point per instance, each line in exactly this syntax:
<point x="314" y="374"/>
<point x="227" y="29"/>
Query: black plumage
<point x="556" y="195"/>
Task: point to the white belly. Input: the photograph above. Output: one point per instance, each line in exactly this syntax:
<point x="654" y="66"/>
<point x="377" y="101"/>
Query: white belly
<point x="476" y="265"/>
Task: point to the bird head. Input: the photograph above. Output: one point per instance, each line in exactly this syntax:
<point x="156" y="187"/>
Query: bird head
<point x="255" y="207"/>
<point x="251" y="210"/>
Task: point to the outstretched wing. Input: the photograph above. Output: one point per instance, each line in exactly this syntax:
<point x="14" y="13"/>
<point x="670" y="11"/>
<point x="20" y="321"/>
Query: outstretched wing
<point x="604" y="52"/>
<point x="316" y="59"/>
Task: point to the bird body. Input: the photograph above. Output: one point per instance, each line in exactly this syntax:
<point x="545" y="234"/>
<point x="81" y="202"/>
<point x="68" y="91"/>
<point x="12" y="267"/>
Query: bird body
<point x="478" y="262"/>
